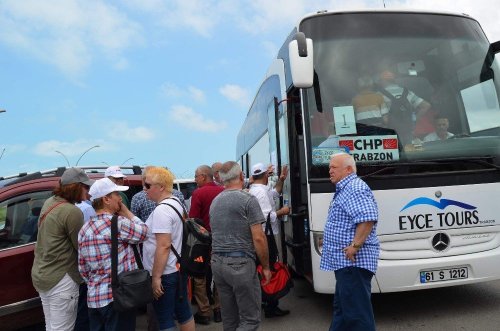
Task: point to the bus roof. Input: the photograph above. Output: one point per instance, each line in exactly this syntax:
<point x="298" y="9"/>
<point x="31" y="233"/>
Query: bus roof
<point x="380" y="10"/>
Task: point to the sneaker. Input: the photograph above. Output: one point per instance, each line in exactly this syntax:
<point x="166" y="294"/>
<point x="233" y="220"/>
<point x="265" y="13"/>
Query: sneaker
<point x="217" y="316"/>
<point x="199" y="319"/>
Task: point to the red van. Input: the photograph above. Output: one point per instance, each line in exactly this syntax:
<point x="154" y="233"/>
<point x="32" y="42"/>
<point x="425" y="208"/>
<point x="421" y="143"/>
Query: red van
<point x="21" y="198"/>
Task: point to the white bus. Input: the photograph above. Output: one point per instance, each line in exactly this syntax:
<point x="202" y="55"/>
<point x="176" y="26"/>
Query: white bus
<point x="438" y="201"/>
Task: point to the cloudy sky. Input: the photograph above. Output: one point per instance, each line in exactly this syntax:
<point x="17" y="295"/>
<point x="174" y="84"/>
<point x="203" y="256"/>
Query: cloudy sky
<point x="148" y="81"/>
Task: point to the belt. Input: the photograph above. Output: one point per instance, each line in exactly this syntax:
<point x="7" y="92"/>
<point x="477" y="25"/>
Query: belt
<point x="232" y="254"/>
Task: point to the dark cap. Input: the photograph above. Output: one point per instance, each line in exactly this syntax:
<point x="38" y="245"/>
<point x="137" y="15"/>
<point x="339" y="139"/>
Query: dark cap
<point x="75" y="175"/>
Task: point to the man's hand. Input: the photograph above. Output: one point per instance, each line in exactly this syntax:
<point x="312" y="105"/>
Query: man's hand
<point x="350" y="253"/>
<point x="125" y="212"/>
<point x="284" y="173"/>
<point x="267" y="276"/>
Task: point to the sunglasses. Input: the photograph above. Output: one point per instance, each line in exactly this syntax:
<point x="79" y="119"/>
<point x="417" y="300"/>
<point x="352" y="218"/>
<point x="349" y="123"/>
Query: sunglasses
<point x="147" y="186"/>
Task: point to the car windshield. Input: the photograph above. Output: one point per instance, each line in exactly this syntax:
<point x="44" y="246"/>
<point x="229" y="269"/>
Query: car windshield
<point x="423" y="91"/>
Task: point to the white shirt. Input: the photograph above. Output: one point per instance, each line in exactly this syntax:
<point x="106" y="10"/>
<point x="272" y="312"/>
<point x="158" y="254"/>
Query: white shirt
<point x="265" y="195"/>
<point x="87" y="210"/>
<point x="434" y="137"/>
<point x="163" y="220"/>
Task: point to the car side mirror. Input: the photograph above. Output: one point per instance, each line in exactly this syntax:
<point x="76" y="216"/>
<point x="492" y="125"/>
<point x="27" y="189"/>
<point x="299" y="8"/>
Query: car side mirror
<point x="300" y="51"/>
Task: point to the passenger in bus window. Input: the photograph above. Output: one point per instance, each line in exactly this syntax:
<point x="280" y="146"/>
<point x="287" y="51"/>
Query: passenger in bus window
<point x="441" y="125"/>
<point x="369" y="106"/>
<point x="350" y="246"/>
<point x="405" y="107"/>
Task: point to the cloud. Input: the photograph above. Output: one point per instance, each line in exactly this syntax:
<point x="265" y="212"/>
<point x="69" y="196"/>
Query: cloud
<point x="121" y="131"/>
<point x="236" y="94"/>
<point x="68" y="34"/>
<point x="196" y="94"/>
<point x="200" y="16"/>
<point x="192" y="120"/>
<point x="173" y="91"/>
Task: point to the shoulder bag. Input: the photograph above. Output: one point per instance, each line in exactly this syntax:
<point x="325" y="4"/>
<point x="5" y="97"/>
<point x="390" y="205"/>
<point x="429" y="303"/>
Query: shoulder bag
<point x="281" y="280"/>
<point x="131" y="289"/>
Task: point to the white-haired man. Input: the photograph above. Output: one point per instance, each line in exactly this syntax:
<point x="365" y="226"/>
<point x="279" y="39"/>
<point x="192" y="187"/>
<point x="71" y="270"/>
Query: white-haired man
<point x="350" y="246"/>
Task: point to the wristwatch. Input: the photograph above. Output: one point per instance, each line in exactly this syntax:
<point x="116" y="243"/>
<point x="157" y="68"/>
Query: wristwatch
<point x="357" y="246"/>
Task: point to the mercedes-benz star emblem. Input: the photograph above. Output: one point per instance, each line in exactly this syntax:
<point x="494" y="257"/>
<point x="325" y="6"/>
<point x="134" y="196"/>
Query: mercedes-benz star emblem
<point x="440" y="242"/>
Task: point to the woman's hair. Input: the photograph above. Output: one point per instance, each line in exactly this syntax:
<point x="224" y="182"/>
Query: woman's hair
<point x="161" y="176"/>
<point x="70" y="192"/>
<point x="230" y="171"/>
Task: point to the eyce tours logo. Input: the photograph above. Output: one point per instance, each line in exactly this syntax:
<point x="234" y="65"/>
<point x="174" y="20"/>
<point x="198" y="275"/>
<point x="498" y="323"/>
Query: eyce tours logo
<point x="468" y="215"/>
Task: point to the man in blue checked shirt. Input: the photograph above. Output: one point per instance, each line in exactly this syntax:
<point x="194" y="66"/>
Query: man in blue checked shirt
<point x="350" y="246"/>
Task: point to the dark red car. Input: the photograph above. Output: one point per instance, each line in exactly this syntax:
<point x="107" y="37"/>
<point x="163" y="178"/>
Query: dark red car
<point x="21" y="198"/>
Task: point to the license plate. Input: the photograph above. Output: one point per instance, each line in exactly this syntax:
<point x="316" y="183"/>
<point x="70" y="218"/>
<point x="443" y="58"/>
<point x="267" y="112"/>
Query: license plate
<point x="441" y="275"/>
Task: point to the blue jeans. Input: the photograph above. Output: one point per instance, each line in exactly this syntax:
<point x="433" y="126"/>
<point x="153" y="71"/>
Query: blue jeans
<point x="82" y="315"/>
<point x="352" y="306"/>
<point x="169" y="307"/>
<point x="107" y="319"/>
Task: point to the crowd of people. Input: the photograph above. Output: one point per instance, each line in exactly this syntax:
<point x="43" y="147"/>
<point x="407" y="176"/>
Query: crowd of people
<point x="72" y="265"/>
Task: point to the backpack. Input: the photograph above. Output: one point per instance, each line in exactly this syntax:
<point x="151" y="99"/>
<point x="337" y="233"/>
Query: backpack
<point x="399" y="103"/>
<point x="196" y="244"/>
<point x="400" y="114"/>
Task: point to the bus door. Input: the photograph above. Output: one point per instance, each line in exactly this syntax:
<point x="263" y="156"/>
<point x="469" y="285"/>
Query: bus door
<point x="296" y="229"/>
<point x="278" y="157"/>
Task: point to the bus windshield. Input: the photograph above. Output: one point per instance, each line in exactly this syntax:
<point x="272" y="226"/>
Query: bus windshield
<point x="425" y="91"/>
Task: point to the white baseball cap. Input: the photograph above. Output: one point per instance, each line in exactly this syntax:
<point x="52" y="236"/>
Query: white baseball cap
<point x="258" y="169"/>
<point x="114" y="171"/>
<point x="103" y="187"/>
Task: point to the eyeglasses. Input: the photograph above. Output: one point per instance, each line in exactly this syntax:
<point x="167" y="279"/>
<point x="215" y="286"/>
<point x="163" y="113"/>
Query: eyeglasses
<point x="195" y="176"/>
<point x="147" y="186"/>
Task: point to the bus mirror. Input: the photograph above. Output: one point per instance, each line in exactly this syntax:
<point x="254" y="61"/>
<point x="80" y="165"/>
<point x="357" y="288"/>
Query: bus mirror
<point x="300" y="51"/>
<point x="495" y="47"/>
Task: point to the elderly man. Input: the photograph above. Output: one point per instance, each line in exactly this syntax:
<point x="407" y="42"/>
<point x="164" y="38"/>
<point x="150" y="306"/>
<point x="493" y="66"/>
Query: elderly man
<point x="237" y="237"/>
<point x="201" y="201"/>
<point x="215" y="168"/>
<point x="350" y="246"/>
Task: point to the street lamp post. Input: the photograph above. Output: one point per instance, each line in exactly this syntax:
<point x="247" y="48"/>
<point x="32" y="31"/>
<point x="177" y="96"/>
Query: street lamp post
<point x="130" y="158"/>
<point x="64" y="156"/>
<point x="85" y="153"/>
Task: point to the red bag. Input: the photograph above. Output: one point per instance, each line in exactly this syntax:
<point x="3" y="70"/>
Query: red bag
<point x="280" y="284"/>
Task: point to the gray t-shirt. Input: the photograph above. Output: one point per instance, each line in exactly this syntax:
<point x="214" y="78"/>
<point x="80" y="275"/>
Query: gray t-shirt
<point x="232" y="213"/>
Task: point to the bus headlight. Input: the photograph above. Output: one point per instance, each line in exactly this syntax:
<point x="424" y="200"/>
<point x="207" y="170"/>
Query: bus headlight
<point x="318" y="242"/>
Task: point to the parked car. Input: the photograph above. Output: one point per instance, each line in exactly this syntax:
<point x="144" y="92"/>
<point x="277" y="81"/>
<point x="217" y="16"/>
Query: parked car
<point x="21" y="198"/>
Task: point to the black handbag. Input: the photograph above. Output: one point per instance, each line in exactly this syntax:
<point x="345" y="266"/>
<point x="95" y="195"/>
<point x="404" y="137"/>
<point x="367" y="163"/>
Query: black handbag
<point x="131" y="289"/>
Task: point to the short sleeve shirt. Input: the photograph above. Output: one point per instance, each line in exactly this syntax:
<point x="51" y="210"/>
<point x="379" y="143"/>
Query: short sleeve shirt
<point x="163" y="220"/>
<point x="232" y="214"/>
<point x="352" y="204"/>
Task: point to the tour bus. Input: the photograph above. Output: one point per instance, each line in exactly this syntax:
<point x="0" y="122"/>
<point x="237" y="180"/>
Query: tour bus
<point x="438" y="199"/>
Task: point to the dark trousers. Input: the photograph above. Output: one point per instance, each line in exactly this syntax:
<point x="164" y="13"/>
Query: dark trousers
<point x="352" y="306"/>
<point x="107" y="319"/>
<point x="82" y="315"/>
